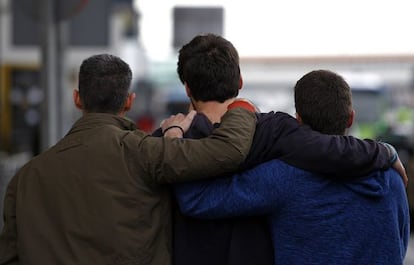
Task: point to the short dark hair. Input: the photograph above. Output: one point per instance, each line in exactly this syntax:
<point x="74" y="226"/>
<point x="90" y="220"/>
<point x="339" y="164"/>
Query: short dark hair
<point x="104" y="81"/>
<point x="323" y="100"/>
<point x="209" y="64"/>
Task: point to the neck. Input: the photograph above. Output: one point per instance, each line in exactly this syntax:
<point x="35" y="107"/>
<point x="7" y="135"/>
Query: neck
<point x="212" y="109"/>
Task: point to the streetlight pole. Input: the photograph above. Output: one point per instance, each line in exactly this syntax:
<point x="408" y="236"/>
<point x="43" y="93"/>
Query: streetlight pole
<point x="53" y="16"/>
<point x="49" y="72"/>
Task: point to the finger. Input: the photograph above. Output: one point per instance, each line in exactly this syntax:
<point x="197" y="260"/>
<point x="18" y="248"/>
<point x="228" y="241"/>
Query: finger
<point x="405" y="180"/>
<point x="179" y="116"/>
<point x="191" y="115"/>
<point x="186" y="122"/>
<point x="405" y="177"/>
<point x="401" y="170"/>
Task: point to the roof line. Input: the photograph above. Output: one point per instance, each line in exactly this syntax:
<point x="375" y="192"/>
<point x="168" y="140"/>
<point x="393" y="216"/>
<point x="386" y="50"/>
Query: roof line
<point x="328" y="59"/>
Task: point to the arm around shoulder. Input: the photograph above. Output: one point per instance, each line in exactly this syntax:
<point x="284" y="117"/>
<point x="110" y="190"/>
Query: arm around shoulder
<point x="177" y="160"/>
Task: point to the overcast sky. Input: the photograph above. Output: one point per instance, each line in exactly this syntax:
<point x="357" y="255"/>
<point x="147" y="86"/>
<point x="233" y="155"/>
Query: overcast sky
<point x="295" y="27"/>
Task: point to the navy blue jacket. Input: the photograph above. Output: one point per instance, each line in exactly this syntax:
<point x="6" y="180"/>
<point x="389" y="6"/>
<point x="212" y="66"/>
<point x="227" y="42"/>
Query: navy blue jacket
<point x="247" y="240"/>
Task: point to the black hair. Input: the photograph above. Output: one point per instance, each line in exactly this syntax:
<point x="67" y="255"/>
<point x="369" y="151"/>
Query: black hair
<point x="209" y="64"/>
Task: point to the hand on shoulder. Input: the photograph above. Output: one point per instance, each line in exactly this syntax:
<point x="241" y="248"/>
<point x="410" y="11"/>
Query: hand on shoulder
<point x="177" y="125"/>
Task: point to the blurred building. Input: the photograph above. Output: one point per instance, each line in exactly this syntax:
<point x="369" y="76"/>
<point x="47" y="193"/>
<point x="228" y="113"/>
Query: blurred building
<point x="87" y="27"/>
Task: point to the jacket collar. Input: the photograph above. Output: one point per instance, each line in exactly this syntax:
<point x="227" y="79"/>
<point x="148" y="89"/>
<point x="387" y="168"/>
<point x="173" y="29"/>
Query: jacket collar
<point x="93" y="120"/>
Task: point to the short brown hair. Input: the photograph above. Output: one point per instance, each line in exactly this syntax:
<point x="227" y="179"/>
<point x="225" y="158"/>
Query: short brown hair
<point x="323" y="100"/>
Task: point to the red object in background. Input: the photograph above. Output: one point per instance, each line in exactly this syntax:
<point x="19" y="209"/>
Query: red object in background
<point x="146" y="123"/>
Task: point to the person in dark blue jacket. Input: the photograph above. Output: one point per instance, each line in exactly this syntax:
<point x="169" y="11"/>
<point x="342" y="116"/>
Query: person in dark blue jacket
<point x="208" y="66"/>
<point x="314" y="219"/>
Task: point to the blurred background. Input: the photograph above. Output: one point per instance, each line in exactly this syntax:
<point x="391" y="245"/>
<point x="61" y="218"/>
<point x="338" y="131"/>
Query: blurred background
<point x="43" y="42"/>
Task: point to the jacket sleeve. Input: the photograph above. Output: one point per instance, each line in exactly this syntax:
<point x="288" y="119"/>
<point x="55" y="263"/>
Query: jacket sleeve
<point x="258" y="191"/>
<point x="279" y="135"/>
<point x="174" y="160"/>
<point x="8" y="237"/>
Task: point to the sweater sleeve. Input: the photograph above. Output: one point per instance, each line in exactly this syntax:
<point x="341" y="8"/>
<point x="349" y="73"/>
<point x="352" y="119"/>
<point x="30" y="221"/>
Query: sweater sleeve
<point x="258" y="191"/>
<point x="173" y="160"/>
<point x="279" y="135"/>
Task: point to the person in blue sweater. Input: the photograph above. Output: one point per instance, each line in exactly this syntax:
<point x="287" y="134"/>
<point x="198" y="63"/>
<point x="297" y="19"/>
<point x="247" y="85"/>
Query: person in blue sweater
<point x="208" y="67"/>
<point x="314" y="219"/>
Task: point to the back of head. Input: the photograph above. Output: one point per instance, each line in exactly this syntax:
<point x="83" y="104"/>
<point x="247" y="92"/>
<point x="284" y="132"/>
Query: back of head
<point x="323" y="100"/>
<point x="209" y="64"/>
<point x="104" y="81"/>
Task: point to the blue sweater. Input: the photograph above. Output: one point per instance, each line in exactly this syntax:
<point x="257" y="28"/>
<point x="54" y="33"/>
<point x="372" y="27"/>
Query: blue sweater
<point x="313" y="220"/>
<point x="246" y="240"/>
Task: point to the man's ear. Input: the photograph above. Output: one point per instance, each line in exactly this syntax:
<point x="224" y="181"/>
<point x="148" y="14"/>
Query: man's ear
<point x="187" y="90"/>
<point x="241" y="82"/>
<point x="76" y="99"/>
<point x="351" y="119"/>
<point x="129" y="102"/>
<point x="298" y="118"/>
